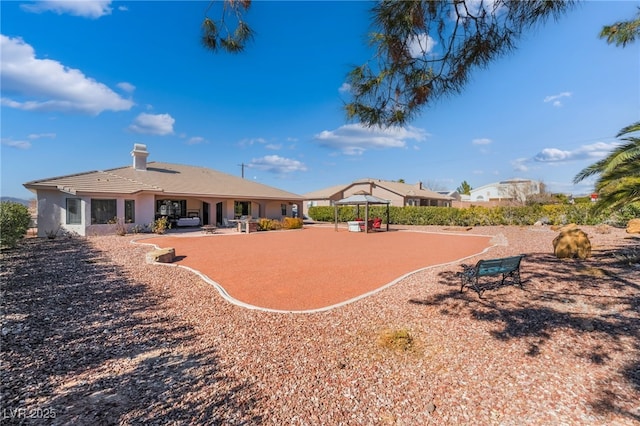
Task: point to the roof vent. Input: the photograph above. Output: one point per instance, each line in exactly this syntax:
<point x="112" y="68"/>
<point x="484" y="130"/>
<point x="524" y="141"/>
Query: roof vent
<point x="140" y="155"/>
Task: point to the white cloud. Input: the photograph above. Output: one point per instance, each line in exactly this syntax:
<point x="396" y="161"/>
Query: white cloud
<point x="345" y="88"/>
<point x="195" y="140"/>
<point x="47" y="85"/>
<point x="273" y="146"/>
<point x="127" y="87"/>
<point x="585" y="152"/>
<point x="556" y="100"/>
<point x="354" y="139"/>
<point x="277" y="164"/>
<point x="87" y="9"/>
<point x="34" y="136"/>
<point x="154" y="124"/>
<point x="519" y="165"/>
<point x="476" y="7"/>
<point x="19" y="144"/>
<point x="421" y="45"/>
<point x="252" y="141"/>
<point x="481" y="141"/>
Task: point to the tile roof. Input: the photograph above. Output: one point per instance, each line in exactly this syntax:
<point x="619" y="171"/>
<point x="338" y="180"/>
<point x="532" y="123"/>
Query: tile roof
<point x="165" y="178"/>
<point x="402" y="189"/>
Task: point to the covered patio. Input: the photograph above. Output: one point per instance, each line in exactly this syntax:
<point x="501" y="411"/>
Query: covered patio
<point x="358" y="200"/>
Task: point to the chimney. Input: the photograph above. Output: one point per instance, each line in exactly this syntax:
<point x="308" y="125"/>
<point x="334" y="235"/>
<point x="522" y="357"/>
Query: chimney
<point x="139" y="155"/>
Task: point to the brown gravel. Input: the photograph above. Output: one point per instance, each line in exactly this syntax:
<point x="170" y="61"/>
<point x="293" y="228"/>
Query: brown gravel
<point x="94" y="335"/>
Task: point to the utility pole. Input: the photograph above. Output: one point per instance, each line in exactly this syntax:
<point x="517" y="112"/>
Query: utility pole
<point x="242" y="165"/>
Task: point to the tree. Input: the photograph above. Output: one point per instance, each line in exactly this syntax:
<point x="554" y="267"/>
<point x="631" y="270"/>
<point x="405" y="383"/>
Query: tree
<point x="619" y="173"/>
<point x="623" y="32"/>
<point x="464" y="188"/>
<point x="14" y="222"/>
<point x="424" y="49"/>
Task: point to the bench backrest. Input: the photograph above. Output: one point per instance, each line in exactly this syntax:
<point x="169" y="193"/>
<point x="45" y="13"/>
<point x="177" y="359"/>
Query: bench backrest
<point x="497" y="266"/>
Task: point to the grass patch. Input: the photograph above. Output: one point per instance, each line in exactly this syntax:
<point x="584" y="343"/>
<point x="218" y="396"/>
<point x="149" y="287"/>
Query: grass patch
<point x="399" y="340"/>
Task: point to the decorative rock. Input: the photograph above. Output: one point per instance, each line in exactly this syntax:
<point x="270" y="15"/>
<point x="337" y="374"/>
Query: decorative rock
<point x="543" y="221"/>
<point x="162" y="255"/>
<point x="633" y="226"/>
<point x="572" y="242"/>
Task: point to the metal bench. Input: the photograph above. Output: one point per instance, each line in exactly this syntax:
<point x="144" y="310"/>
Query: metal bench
<point x="506" y="266"/>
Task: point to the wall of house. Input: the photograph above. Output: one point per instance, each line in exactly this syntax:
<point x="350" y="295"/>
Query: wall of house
<point x="385" y="194"/>
<point x="50" y="208"/>
<point x="144" y="214"/>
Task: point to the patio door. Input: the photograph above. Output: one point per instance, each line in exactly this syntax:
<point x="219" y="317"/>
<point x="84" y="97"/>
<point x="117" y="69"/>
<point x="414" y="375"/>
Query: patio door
<point x="219" y="213"/>
<point x="205" y="213"/>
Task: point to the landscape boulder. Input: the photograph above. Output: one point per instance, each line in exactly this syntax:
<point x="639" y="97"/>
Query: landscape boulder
<point x="633" y="226"/>
<point x="571" y="243"/>
<point x="165" y="255"/>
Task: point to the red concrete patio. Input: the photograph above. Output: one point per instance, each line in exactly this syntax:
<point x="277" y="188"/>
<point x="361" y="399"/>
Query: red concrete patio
<point x="316" y="267"/>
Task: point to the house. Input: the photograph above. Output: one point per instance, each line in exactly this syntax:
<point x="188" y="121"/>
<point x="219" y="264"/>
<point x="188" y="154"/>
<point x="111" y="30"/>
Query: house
<point x="514" y="190"/>
<point x="89" y="203"/>
<point x="398" y="193"/>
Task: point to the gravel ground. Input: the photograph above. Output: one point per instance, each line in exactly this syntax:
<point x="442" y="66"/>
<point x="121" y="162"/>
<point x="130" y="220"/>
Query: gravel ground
<point x="91" y="334"/>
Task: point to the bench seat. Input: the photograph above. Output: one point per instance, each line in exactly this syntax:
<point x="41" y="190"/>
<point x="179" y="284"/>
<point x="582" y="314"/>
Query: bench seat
<point x="508" y="267"/>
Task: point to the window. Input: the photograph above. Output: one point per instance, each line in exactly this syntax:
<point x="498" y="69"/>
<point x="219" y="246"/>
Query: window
<point x="173" y="208"/>
<point x="102" y="211"/>
<point x="242" y="208"/>
<point x="74" y="211"/>
<point x="129" y="211"/>
<point x="283" y="209"/>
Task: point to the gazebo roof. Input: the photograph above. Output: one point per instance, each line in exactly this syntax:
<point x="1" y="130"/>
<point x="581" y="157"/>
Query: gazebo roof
<point x="362" y="199"/>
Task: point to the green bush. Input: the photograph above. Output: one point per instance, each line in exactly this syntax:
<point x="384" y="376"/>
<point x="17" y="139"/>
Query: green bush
<point x="555" y="214"/>
<point x="14" y="223"/>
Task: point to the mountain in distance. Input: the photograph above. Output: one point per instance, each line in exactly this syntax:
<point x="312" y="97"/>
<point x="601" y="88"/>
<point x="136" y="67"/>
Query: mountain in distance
<point x="15" y="200"/>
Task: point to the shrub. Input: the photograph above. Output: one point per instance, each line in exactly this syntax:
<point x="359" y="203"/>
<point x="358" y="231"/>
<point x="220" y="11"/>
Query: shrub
<point x="160" y="226"/>
<point x="14" y="223"/>
<point x="292" y="223"/>
<point x="265" y="224"/>
<point x="557" y="214"/>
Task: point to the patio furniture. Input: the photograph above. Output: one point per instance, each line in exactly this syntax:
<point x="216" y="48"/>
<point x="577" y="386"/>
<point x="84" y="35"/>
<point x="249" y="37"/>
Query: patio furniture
<point x="506" y="266"/>
<point x="355" y="225"/>
<point x="209" y="229"/>
<point x="188" y="221"/>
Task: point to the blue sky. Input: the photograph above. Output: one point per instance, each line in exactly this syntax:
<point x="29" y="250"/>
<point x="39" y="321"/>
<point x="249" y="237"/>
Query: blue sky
<point x="83" y="81"/>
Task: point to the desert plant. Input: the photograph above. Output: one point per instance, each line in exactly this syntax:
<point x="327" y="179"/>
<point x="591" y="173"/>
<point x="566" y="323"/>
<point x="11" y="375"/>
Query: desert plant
<point x="14" y="222"/>
<point x="120" y="227"/>
<point x="265" y="224"/>
<point x="160" y="225"/>
<point x="52" y="233"/>
<point x="398" y="340"/>
<point x="292" y="223"/>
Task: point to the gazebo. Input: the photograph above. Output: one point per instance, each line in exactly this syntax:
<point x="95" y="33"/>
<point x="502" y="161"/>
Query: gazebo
<point x="358" y="199"/>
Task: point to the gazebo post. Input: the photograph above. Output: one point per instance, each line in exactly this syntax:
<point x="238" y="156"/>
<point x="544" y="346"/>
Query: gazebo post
<point x="387" y="217"/>
<point x="366" y="218"/>
<point x="335" y="217"/>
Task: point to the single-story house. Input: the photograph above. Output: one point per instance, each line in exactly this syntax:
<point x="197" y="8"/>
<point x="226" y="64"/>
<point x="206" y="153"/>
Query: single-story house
<point x="398" y="193"/>
<point x="515" y="190"/>
<point x="90" y="203"/>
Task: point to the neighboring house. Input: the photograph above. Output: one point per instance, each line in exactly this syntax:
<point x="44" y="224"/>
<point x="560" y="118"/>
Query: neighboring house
<point x="89" y="203"/>
<point x="398" y="193"/>
<point x="508" y="190"/>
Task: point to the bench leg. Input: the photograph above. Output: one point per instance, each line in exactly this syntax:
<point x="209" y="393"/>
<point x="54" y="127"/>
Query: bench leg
<point x="471" y="282"/>
<point x="514" y="275"/>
